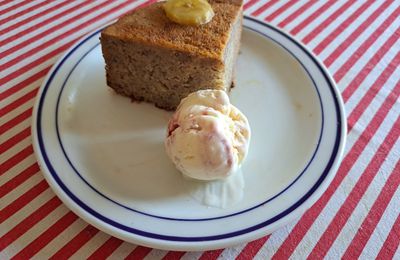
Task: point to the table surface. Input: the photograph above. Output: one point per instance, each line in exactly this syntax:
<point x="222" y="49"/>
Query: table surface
<point x="358" y="215"/>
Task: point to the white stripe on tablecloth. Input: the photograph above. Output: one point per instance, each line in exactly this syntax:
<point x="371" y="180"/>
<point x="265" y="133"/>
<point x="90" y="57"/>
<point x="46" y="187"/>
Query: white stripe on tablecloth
<point x="326" y="13"/>
<point x="360" y="40"/>
<point x="25" y="76"/>
<point x="397" y="254"/>
<point x="15" y="149"/>
<point x="122" y="251"/>
<point x="92" y="245"/>
<point x="14" y="11"/>
<point x="14" y="113"/>
<point x="33" y="24"/>
<point x="191" y="255"/>
<point x="367" y="116"/>
<point x="276" y="239"/>
<point x="16" y="169"/>
<point x="16" y="193"/>
<point x="60" y="240"/>
<point x="304" y="15"/>
<point x="231" y="252"/>
<point x="348" y="183"/>
<point x="332" y="26"/>
<point x="155" y="254"/>
<point x="366" y="83"/>
<point x="25" y="211"/>
<point x="317" y="229"/>
<point x="349" y="30"/>
<point x="36" y="230"/>
<point x="53" y="46"/>
<point x="360" y="212"/>
<point x="33" y="205"/>
<point x="8" y="5"/>
<point x="287" y="12"/>
<point x="46" y="50"/>
<point x="270" y="10"/>
<point x="17" y="128"/>
<point x="12" y="22"/>
<point x="27" y="38"/>
<point x="23" y="91"/>
<point x="254" y="7"/>
<point x="351" y="102"/>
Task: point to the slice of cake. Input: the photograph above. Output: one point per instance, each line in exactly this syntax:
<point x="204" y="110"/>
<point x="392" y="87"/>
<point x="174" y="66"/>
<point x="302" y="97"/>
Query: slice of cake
<point x="151" y="58"/>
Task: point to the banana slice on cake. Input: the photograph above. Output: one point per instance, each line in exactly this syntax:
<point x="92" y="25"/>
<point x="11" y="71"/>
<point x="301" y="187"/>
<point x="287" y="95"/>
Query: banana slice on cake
<point x="189" y="12"/>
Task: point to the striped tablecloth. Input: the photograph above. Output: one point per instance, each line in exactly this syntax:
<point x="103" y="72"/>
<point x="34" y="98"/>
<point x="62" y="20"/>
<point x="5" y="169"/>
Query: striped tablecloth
<point x="358" y="216"/>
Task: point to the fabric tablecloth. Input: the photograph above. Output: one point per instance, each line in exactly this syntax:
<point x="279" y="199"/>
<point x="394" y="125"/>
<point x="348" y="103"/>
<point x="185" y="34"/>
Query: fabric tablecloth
<point x="358" y="215"/>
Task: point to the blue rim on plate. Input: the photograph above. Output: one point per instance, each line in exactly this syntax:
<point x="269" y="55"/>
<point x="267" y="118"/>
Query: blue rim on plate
<point x="334" y="154"/>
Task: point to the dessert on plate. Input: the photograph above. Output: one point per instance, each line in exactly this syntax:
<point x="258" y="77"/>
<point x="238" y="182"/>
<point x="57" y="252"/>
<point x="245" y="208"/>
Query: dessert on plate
<point x="180" y="54"/>
<point x="208" y="137"/>
<point x="151" y="57"/>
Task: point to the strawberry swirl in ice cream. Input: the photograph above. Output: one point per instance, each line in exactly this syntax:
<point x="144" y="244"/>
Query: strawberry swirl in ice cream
<point x="208" y="137"/>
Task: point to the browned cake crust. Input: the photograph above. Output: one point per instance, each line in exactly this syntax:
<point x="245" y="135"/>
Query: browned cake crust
<point x="150" y="58"/>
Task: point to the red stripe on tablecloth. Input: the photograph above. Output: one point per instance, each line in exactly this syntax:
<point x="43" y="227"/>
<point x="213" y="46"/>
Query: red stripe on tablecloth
<point x="22" y="84"/>
<point x="280" y="10"/>
<point x="19" y="179"/>
<point x="34" y="64"/>
<point x="378" y="208"/>
<point x="15" y="121"/>
<point x="24" y="11"/>
<point x="4" y="2"/>
<point x="61" y="48"/>
<point x="340" y="73"/>
<point x="43" y="34"/>
<point x="249" y="4"/>
<point x="15" y="159"/>
<point x="15" y="139"/>
<point x="23" y="200"/>
<point x="372" y="92"/>
<point x="36" y="17"/>
<point x="306" y="221"/>
<point x="75" y="243"/>
<point x="46" y="237"/>
<point x="43" y="23"/>
<point x="211" y="255"/>
<point x="366" y="44"/>
<point x="366" y="70"/>
<point x="309" y="37"/>
<point x="296" y="14"/>
<point x="264" y="7"/>
<point x="106" y="249"/>
<point x="145" y="3"/>
<point x="391" y="243"/>
<point x="140" y="252"/>
<point x="346" y="24"/>
<point x="20" y="101"/>
<point x="312" y="17"/>
<point x="173" y="255"/>
<point x="252" y="248"/>
<point x="13" y="7"/>
<point x="329" y="236"/>
<point x="29" y="222"/>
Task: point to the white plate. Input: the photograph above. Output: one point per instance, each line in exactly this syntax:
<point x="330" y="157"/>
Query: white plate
<point x="104" y="157"/>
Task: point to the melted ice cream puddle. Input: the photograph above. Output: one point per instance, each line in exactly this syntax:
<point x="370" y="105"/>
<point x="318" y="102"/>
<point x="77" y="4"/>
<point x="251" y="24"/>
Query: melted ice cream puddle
<point x="217" y="193"/>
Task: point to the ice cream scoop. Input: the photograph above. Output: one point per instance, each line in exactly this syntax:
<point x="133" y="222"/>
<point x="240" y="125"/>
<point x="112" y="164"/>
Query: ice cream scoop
<point x="208" y="138"/>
